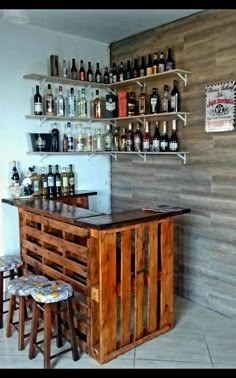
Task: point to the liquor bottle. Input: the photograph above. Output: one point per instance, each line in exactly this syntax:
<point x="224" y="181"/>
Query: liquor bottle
<point x="80" y="146"/>
<point x="98" y="76"/>
<point x="115" y="76"/>
<point x="161" y="63"/>
<point x="111" y="106"/>
<point x="64" y="182"/>
<point x="83" y="105"/>
<point x="106" y="76"/>
<point x="110" y="76"/>
<point x="55" y="140"/>
<point x="170" y="64"/>
<point x="82" y="71"/>
<point x="121" y="72"/>
<point x="38" y="105"/>
<point x="142" y="101"/>
<point x="58" y="182"/>
<point x="15" y="175"/>
<point x="123" y="140"/>
<point x="43" y="183"/>
<point x="164" y="140"/>
<point x="97" y="106"/>
<point x="131" y="104"/>
<point x="60" y="104"/>
<point x="128" y="73"/>
<point x="154" y="102"/>
<point x="146" y="138"/>
<point x="173" y="142"/>
<point x="165" y="101"/>
<point x="155" y="64"/>
<point x="130" y="138"/>
<point x="174" y="98"/>
<point x="71" y="181"/>
<point x="135" y="68"/>
<point x="156" y="139"/>
<point x="142" y="69"/>
<point x="149" y="65"/>
<point x="88" y="140"/>
<point x="35" y="180"/>
<point x="116" y="139"/>
<point x="49" y="102"/>
<point x="89" y="73"/>
<point x="108" y="138"/>
<point x="71" y="104"/>
<point x="70" y="139"/>
<point x="137" y="139"/>
<point x="51" y="182"/>
<point x="73" y="70"/>
<point x="64" y="68"/>
<point x="65" y="143"/>
<point x="99" y="138"/>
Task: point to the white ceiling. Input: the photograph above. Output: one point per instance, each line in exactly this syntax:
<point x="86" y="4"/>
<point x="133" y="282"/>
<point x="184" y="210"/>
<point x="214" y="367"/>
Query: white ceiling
<point x="105" y="25"/>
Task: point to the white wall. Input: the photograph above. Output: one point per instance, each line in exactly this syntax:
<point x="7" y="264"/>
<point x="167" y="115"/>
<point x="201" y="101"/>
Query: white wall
<point x="26" y="49"/>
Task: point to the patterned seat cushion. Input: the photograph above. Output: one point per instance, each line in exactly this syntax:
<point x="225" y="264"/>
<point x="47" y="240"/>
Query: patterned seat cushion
<point x="55" y="291"/>
<point x="22" y="286"/>
<point x="9" y="262"/>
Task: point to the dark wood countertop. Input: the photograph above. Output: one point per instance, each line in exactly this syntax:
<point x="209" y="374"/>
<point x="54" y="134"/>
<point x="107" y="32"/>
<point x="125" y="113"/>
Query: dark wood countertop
<point x="51" y="208"/>
<point x="120" y="219"/>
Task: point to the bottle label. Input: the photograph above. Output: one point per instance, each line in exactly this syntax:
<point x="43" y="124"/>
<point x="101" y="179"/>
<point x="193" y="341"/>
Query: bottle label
<point x="65" y="181"/>
<point x="36" y="186"/>
<point x="71" y="181"/>
<point x="156" y="145"/>
<point x="153" y="104"/>
<point x="110" y="106"/>
<point x="38" y="108"/>
<point x="149" y="70"/>
<point x="98" y="78"/>
<point x="50" y="181"/>
<point x="173" y="146"/>
<point x="49" y="105"/>
<point x="58" y="182"/>
<point x="146" y="145"/>
<point x="161" y="67"/>
<point x="169" y="66"/>
<point x="154" y="69"/>
<point x="90" y="77"/>
<point x="82" y="76"/>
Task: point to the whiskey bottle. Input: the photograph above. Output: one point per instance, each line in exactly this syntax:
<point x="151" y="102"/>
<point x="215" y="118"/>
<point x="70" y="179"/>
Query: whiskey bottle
<point x="131" y="104"/>
<point x="49" y="102"/>
<point x="173" y="142"/>
<point x="38" y="105"/>
<point x="97" y="106"/>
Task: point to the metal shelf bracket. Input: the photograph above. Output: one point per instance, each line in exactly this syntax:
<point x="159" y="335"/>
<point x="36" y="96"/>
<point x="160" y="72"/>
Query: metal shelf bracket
<point x="42" y="82"/>
<point x="114" y="155"/>
<point x="183" y="118"/>
<point x="182" y="156"/>
<point x="42" y="121"/>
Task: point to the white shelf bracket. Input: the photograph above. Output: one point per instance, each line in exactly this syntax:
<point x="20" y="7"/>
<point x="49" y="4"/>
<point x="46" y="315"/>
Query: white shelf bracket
<point x="139" y="84"/>
<point x="183" y="118"/>
<point x="113" y="91"/>
<point x="183" y="77"/>
<point x="142" y="121"/>
<point x="43" y="157"/>
<point x="42" y="121"/>
<point x="182" y="156"/>
<point x="113" y="123"/>
<point x="114" y="155"/>
<point x="143" y="156"/>
<point x="91" y="156"/>
<point x="42" y="82"/>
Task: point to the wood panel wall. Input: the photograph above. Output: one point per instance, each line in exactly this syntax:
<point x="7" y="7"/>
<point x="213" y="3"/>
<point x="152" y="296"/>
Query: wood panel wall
<point x="205" y="240"/>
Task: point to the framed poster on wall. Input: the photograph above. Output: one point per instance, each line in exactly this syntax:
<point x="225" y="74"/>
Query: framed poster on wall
<point x="220" y="106"/>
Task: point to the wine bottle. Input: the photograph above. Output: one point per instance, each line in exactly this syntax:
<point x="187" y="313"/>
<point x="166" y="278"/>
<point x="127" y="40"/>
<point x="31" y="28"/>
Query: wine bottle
<point x="71" y="181"/>
<point x="170" y="64"/>
<point x="82" y="71"/>
<point x="49" y="102"/>
<point x="51" y="182"/>
<point x="38" y="105"/>
<point x="173" y="142"/>
<point x="58" y="182"/>
<point x="149" y="65"/>
<point x="174" y="98"/>
<point x="164" y="140"/>
<point x="54" y="138"/>
<point x="98" y="75"/>
<point x="73" y="70"/>
<point x="156" y="139"/>
<point x="89" y="73"/>
<point x="15" y="175"/>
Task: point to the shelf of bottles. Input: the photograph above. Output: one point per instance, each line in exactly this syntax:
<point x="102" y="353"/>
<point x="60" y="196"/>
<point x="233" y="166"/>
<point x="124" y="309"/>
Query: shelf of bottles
<point x="181" y="154"/>
<point x="182" y="74"/>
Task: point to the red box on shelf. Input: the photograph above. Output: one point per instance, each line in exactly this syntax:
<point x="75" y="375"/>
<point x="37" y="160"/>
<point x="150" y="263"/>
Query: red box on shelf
<point x="122" y="104"/>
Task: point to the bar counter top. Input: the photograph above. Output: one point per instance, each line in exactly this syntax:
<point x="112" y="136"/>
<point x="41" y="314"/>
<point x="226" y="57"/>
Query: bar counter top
<point x="92" y="219"/>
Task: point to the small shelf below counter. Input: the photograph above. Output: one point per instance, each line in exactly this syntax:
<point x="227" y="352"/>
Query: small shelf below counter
<point x="181" y="154"/>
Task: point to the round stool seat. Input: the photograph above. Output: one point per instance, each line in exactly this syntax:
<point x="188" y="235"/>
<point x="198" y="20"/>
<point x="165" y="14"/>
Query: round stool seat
<point x="54" y="291"/>
<point x="10" y="262"/>
<point x="22" y="286"/>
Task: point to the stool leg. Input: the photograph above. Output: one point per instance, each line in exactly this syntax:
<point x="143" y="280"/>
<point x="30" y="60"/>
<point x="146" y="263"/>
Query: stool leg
<point x="21" y="343"/>
<point x="75" y="353"/>
<point x="12" y="304"/>
<point x="34" y="330"/>
<point x="47" y="335"/>
<point x="1" y="299"/>
<point x="58" y="326"/>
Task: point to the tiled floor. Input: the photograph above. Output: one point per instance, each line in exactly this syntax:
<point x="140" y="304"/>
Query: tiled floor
<point x="201" y="339"/>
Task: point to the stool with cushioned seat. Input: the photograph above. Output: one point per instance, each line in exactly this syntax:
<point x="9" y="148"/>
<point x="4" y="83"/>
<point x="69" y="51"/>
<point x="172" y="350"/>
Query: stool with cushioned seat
<point x="10" y="266"/>
<point x="21" y="288"/>
<point x="49" y="299"/>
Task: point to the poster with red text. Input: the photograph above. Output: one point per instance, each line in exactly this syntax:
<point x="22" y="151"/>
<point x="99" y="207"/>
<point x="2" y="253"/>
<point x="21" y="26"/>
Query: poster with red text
<point x="220" y="107"/>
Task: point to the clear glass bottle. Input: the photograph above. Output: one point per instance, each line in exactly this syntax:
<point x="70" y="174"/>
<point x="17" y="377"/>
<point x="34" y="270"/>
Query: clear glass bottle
<point x="99" y="138"/>
<point x="64" y="182"/>
<point x="60" y="103"/>
<point x="146" y="138"/>
<point x="80" y="146"/>
<point x="97" y="106"/>
<point x="156" y="139"/>
<point x="83" y="105"/>
<point x="49" y="102"/>
<point x="108" y="138"/>
<point x="138" y="139"/>
<point x="165" y="101"/>
<point x="71" y="104"/>
<point x="89" y="140"/>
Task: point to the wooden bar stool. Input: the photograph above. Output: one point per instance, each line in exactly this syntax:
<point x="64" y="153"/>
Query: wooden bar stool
<point x="50" y="300"/>
<point x="10" y="266"/>
<point x="21" y="288"/>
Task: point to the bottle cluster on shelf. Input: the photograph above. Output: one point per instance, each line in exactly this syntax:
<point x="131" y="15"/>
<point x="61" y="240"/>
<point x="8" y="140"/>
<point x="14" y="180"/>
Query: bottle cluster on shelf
<point x="78" y="70"/>
<point x="121" y="105"/>
<point x="80" y="138"/>
<point x="49" y="185"/>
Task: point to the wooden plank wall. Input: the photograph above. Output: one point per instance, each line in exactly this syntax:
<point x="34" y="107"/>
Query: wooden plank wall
<point x="205" y="240"/>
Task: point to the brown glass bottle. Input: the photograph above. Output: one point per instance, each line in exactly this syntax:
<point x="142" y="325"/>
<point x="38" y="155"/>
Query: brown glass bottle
<point x="142" y="101"/>
<point x="149" y="65"/>
<point x="131" y="105"/>
<point x="82" y="71"/>
<point x="97" y="106"/>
